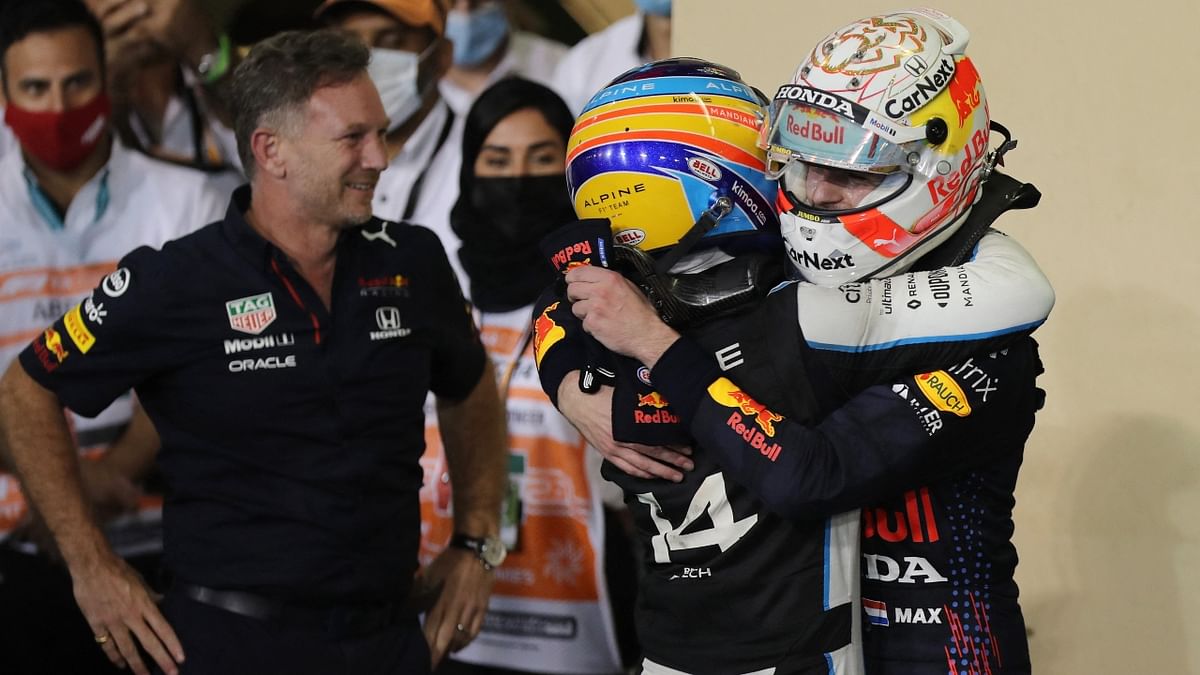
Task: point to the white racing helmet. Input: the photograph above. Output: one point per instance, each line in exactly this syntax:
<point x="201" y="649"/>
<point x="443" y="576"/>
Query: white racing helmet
<point x="890" y="102"/>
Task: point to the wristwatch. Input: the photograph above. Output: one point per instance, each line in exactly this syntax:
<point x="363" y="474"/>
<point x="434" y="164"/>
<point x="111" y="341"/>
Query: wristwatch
<point x="490" y="550"/>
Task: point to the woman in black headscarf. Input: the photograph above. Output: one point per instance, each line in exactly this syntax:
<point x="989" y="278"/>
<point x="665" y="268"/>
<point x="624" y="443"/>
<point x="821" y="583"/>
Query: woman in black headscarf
<point x="512" y="191"/>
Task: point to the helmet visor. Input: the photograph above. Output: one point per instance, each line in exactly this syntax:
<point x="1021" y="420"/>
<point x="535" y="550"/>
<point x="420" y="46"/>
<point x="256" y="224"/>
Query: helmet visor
<point x="822" y="128"/>
<point x="833" y="190"/>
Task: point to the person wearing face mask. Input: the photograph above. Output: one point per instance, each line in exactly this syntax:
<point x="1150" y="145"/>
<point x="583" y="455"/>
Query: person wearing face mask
<point x="74" y="201"/>
<point x="637" y="39"/>
<point x="512" y="193"/>
<point x="409" y="55"/>
<point x="486" y="48"/>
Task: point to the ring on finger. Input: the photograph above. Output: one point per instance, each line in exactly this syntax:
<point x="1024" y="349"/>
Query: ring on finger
<point x="101" y="638"/>
<point x="460" y="628"/>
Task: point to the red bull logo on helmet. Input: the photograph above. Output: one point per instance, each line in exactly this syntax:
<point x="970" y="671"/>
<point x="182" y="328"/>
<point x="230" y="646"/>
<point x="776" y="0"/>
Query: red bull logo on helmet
<point x="964" y="90"/>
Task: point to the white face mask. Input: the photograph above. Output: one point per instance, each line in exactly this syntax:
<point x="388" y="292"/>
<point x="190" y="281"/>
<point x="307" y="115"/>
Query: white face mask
<point x="394" y="73"/>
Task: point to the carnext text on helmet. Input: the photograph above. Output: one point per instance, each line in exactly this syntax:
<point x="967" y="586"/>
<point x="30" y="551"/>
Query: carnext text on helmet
<point x="926" y="88"/>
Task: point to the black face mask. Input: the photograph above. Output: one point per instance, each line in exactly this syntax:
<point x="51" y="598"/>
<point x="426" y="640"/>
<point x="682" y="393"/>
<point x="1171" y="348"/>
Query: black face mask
<point x="500" y="223"/>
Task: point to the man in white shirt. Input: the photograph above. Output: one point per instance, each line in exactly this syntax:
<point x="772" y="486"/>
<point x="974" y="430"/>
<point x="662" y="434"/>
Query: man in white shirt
<point x="74" y="202"/>
<point x="167" y="65"/>
<point x="628" y="43"/>
<point x="486" y="49"/>
<point x="409" y="56"/>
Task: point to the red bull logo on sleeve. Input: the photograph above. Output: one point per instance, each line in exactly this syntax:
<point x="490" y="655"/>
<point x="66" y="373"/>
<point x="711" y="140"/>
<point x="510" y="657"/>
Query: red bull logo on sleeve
<point x="755" y="434"/>
<point x="54" y="344"/>
<point x="660" y="415"/>
<point x="653" y="400"/>
<point x="545" y="334"/>
<point x="568" y="258"/>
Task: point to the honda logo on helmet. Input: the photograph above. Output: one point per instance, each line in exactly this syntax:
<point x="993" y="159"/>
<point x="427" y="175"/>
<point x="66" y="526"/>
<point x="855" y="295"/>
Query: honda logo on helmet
<point x="915" y="65"/>
<point x="821" y="99"/>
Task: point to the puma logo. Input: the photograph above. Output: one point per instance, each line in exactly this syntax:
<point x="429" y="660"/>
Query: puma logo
<point x="892" y="241"/>
<point x="381" y="234"/>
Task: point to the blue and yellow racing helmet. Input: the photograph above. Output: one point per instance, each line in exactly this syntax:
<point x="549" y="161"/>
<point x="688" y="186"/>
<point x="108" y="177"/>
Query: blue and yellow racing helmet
<point x="660" y="146"/>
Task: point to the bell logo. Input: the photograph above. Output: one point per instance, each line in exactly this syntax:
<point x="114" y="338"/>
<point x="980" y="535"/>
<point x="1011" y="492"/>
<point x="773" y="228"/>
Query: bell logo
<point x="704" y="169"/>
<point x="630" y="237"/>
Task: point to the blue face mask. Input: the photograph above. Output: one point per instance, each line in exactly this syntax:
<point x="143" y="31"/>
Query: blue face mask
<point x="476" y="34"/>
<point x="655" y="7"/>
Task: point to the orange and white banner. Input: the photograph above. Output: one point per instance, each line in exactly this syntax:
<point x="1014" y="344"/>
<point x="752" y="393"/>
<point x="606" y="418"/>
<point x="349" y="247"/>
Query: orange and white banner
<point x="549" y="610"/>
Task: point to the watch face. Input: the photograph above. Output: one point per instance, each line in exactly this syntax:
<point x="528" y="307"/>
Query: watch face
<point x="493" y="551"/>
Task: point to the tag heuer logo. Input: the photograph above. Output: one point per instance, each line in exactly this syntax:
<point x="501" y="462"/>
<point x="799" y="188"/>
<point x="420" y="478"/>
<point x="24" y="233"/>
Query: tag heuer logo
<point x="251" y="314"/>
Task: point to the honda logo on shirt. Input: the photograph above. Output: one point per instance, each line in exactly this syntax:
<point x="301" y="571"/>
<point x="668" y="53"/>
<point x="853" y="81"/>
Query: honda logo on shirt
<point x="388" y="318"/>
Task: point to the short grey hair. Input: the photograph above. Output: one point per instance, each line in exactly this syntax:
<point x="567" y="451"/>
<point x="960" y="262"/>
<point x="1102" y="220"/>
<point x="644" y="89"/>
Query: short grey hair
<point x="281" y="73"/>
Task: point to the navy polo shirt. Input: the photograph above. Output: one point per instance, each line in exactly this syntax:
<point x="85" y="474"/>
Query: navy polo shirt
<point x="290" y="434"/>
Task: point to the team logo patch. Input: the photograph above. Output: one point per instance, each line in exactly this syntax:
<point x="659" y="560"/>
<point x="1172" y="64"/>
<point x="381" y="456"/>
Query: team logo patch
<point x="78" y="331"/>
<point x="388" y="321"/>
<point x="653" y="400"/>
<point x="251" y="314"/>
<point x="658" y="404"/>
<point x="545" y="334"/>
<point x="726" y="393"/>
<point x="115" y="284"/>
<point x="54" y="345"/>
<point x="643" y="374"/>
<point x="630" y="237"/>
<point x="944" y="393"/>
